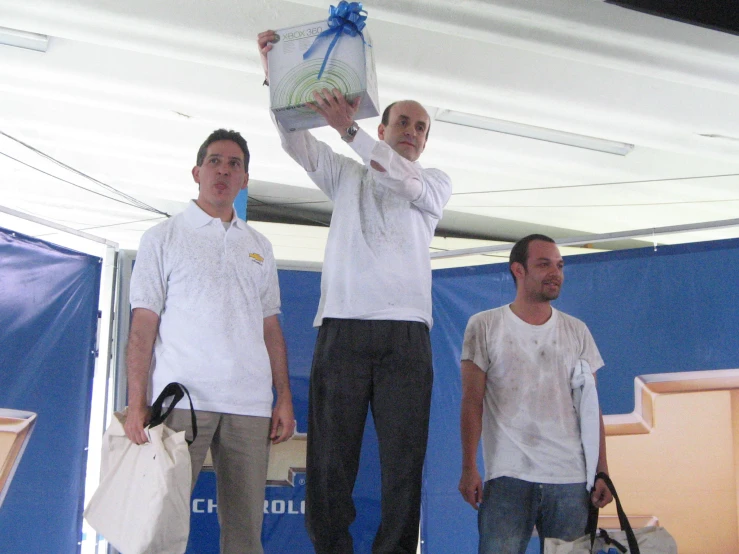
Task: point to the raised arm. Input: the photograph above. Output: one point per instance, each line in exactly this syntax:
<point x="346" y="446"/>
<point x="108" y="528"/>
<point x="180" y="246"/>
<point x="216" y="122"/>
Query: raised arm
<point x="265" y="41"/>
<point x="322" y="164"/>
<point x="427" y="189"/>
<point x="283" y="418"/>
<point x="143" y="333"/>
<point x="300" y="145"/>
<point x="473" y="393"/>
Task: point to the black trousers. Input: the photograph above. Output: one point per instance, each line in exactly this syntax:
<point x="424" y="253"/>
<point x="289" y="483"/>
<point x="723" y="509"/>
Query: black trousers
<point x="356" y="364"/>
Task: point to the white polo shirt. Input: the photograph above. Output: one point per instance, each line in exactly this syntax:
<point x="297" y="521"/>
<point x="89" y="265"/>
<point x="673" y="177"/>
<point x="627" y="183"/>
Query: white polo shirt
<point x="212" y="288"/>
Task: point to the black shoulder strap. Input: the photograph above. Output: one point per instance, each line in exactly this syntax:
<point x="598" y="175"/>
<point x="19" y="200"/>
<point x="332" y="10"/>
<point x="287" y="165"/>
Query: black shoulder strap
<point x="177" y="391"/>
<point x="622" y="519"/>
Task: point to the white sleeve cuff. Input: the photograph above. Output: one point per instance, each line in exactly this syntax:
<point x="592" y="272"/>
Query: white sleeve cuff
<point x="363" y="144"/>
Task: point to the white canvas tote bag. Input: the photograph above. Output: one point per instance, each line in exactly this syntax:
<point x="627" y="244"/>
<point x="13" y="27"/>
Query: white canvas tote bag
<point x="143" y="502"/>
<point x="649" y="540"/>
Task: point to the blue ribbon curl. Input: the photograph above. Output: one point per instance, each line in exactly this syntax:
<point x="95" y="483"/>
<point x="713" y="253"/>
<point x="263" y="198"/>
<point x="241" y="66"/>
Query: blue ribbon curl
<point x="346" y="18"/>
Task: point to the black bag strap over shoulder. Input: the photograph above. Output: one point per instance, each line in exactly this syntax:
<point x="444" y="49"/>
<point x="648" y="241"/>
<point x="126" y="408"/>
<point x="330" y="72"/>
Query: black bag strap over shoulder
<point x="177" y="391"/>
<point x="592" y="526"/>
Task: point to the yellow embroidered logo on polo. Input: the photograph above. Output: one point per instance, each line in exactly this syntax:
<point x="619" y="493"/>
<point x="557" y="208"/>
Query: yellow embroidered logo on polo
<point x="256" y="257"/>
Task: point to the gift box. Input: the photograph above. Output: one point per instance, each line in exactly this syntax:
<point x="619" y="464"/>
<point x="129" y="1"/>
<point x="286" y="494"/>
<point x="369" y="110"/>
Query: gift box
<point x="338" y="56"/>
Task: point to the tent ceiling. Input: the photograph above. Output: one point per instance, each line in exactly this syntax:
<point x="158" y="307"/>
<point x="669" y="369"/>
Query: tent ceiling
<point x="127" y="91"/>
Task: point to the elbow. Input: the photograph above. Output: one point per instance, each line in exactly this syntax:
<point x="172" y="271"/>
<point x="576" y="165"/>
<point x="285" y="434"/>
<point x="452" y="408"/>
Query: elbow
<point x="412" y="190"/>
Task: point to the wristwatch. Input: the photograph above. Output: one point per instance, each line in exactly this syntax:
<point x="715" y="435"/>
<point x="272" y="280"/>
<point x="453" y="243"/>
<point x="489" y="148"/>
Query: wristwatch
<point x="350" y="132"/>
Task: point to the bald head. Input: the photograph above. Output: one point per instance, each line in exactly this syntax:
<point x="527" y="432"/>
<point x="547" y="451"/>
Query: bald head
<point x="405" y="127"/>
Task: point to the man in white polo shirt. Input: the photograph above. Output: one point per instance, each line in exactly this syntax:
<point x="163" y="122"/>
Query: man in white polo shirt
<point x="373" y="347"/>
<point x="519" y="364"/>
<point x="205" y="300"/>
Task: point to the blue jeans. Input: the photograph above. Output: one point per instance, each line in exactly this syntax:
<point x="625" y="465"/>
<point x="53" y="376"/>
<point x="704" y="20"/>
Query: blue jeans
<point x="511" y="508"/>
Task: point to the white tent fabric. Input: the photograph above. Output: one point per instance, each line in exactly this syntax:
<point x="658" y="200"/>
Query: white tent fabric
<point x="126" y="92"/>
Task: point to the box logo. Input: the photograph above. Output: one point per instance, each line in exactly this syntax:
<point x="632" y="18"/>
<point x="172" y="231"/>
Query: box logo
<point x="299" y="34"/>
<point x="256" y="257"/>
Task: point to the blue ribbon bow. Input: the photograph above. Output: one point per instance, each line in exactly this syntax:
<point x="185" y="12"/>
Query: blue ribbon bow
<point x="346" y="18"/>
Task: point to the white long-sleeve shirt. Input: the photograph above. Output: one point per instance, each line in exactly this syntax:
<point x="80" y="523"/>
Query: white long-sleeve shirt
<point x="376" y="264"/>
<point x="587" y="407"/>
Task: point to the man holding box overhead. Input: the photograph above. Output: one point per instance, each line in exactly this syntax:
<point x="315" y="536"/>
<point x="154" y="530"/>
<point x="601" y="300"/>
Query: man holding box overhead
<point x="374" y="316"/>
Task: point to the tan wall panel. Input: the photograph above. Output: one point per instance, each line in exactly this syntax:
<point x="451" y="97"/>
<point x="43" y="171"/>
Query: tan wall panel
<point x="683" y="471"/>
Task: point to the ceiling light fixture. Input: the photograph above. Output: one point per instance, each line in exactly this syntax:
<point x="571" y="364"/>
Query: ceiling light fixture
<point x="649" y="233"/>
<point x="533" y="132"/>
<point x="24" y="39"/>
<point x="720" y="137"/>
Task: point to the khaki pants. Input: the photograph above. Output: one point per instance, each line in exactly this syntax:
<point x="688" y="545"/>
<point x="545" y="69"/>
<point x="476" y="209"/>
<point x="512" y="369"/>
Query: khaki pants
<point x="240" y="448"/>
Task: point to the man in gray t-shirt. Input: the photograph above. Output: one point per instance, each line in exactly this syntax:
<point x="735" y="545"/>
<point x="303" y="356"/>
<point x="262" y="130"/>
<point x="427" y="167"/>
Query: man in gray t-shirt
<point x="517" y="373"/>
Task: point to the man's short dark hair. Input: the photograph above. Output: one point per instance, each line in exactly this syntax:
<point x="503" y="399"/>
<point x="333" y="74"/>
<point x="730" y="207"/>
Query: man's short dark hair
<point x="520" y="251"/>
<point x="386" y="116"/>
<point x="223" y="134"/>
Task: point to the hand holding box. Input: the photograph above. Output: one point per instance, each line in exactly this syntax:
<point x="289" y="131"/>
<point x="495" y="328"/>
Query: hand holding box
<point x="339" y="50"/>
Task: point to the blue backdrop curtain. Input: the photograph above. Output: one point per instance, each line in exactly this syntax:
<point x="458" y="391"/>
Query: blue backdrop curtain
<point x="48" y="324"/>
<point x="669" y="310"/>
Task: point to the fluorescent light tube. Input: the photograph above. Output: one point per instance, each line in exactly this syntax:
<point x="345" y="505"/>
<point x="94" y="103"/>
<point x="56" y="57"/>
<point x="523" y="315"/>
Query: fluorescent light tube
<point x="23" y="39"/>
<point x="532" y="132"/>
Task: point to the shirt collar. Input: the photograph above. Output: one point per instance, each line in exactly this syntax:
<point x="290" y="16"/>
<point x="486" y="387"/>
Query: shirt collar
<point x="197" y="218"/>
<point x="518" y="321"/>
